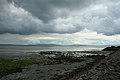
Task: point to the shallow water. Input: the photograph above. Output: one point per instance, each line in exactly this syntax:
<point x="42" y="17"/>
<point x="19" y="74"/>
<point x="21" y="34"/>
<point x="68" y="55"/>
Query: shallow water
<point x="26" y="49"/>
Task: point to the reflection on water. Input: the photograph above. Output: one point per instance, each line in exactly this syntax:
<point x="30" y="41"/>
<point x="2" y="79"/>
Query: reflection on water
<point x="24" y="49"/>
<point x="73" y="53"/>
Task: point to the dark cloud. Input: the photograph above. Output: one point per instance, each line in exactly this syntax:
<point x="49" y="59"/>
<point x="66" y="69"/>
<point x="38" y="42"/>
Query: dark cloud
<point x="59" y="16"/>
<point x="30" y="16"/>
<point x="44" y="9"/>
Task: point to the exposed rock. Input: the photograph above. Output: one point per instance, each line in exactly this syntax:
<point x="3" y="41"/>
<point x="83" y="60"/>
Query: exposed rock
<point x="112" y="48"/>
<point x="107" y="69"/>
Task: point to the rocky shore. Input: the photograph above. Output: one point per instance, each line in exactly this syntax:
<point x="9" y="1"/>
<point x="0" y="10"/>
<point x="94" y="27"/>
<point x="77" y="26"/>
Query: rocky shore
<point x="68" y="65"/>
<point x="107" y="69"/>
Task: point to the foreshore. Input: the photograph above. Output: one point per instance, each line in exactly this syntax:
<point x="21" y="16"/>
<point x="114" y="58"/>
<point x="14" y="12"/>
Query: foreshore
<point x="57" y="65"/>
<point x="107" y="69"/>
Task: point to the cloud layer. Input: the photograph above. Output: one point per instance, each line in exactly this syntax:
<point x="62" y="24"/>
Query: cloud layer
<point x="86" y="37"/>
<point x="59" y="16"/>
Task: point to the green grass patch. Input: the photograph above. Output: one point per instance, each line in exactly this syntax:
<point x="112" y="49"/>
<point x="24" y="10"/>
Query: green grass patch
<point x="8" y="66"/>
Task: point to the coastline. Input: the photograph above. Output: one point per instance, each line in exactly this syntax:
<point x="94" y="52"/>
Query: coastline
<point x="58" y="67"/>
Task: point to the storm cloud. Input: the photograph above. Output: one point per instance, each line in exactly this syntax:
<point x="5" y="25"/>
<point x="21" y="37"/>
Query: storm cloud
<point x="59" y="16"/>
<point x="48" y="9"/>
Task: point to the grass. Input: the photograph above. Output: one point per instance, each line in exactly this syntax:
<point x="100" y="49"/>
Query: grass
<point x="8" y="66"/>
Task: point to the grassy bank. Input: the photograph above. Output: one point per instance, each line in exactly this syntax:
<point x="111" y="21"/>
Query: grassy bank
<point x="8" y="66"/>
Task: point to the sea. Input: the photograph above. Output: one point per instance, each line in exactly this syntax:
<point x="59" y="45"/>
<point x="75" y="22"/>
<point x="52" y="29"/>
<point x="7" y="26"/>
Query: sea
<point x="14" y="49"/>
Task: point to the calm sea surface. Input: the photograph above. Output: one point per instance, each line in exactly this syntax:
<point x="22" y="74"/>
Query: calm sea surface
<point x="27" y="49"/>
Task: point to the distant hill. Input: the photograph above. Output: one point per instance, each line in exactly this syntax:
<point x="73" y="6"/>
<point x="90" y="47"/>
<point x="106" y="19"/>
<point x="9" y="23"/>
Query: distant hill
<point x="28" y="45"/>
<point x="48" y="45"/>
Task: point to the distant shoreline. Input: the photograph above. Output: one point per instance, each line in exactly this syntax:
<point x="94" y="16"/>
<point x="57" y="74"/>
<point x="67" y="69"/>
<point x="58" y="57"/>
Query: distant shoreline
<point x="48" y="45"/>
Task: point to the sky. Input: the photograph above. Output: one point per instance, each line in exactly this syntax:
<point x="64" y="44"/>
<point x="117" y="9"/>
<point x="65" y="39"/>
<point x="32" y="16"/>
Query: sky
<point x="62" y="22"/>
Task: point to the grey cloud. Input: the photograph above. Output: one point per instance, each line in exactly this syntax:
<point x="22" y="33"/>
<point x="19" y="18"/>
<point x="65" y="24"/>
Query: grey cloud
<point x="114" y="10"/>
<point x="72" y="4"/>
<point x="44" y="9"/>
<point x="39" y="16"/>
<point x="104" y="20"/>
<point x="29" y="17"/>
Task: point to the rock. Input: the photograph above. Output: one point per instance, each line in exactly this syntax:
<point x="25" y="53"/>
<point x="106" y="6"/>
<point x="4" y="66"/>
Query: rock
<point x="107" y="69"/>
